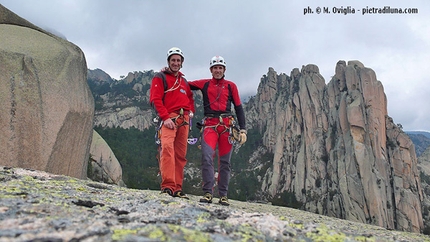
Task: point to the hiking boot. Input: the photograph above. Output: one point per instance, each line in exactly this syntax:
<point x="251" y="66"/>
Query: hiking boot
<point x="180" y="194"/>
<point x="224" y="201"/>
<point x="207" y="198"/>
<point x="167" y="191"/>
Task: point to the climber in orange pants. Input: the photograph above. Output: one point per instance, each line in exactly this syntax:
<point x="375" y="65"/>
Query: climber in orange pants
<point x="173" y="101"/>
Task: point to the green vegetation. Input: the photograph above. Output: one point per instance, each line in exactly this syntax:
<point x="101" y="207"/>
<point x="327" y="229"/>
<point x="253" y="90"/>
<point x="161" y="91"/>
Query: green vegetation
<point x="244" y="186"/>
<point x="424" y="178"/>
<point x="90" y="167"/>
<point x="391" y="144"/>
<point x="286" y="199"/>
<point x="239" y="160"/>
<point x="136" y="152"/>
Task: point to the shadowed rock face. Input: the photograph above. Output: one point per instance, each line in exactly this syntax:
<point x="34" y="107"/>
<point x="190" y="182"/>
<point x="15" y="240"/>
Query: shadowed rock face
<point x="336" y="148"/>
<point x="104" y="165"/>
<point x="47" y="109"/>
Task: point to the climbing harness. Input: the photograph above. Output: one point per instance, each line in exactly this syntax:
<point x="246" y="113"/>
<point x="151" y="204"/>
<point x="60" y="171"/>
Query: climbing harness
<point x="159" y="123"/>
<point x="231" y="127"/>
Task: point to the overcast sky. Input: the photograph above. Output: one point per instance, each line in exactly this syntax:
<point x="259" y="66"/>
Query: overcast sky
<point x="122" y="36"/>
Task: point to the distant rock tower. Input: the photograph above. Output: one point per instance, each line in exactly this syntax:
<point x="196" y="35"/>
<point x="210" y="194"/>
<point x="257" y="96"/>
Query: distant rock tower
<point x="335" y="148"/>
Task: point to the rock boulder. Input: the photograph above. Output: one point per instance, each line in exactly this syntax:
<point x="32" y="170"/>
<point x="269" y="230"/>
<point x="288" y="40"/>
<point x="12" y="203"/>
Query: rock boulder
<point x="46" y="116"/>
<point x="104" y="165"/>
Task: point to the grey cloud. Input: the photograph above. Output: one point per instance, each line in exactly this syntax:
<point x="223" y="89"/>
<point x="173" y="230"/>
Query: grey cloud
<point x="131" y="35"/>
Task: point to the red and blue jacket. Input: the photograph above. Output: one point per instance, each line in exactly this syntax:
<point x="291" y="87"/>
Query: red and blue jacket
<point x="218" y="97"/>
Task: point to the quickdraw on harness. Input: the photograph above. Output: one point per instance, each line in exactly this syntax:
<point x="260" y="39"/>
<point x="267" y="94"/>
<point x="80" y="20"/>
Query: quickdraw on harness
<point x="231" y="127"/>
<point x="191" y="140"/>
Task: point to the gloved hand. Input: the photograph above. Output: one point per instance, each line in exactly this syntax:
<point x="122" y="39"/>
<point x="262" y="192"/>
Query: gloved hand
<point x="242" y="136"/>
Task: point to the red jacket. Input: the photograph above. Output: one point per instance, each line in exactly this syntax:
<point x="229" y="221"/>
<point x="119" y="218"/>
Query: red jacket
<point x="218" y="96"/>
<point x="178" y="95"/>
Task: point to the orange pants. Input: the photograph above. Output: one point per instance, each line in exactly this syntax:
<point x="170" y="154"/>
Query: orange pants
<point x="173" y="153"/>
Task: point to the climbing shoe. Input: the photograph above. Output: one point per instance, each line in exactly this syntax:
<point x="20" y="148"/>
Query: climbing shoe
<point x="180" y="194"/>
<point x="167" y="191"/>
<point x="224" y="201"/>
<point x="207" y="198"/>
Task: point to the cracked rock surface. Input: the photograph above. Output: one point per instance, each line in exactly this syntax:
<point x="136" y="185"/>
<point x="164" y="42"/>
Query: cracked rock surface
<point x="38" y="206"/>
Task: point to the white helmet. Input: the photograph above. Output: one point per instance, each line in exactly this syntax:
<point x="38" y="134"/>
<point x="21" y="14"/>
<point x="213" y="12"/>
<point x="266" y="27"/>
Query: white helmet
<point x="175" y="51"/>
<point x="217" y="60"/>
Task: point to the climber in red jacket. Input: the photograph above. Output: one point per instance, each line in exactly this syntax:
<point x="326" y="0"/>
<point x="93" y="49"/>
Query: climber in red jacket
<point x="172" y="99"/>
<point x="218" y="96"/>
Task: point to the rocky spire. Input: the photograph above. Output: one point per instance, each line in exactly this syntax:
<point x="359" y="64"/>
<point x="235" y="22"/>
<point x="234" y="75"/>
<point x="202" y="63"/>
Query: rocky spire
<point x="335" y="147"/>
